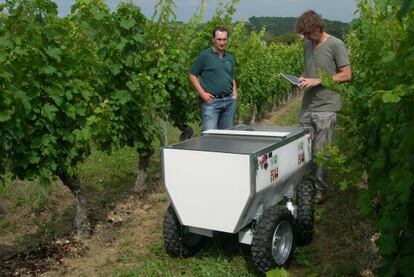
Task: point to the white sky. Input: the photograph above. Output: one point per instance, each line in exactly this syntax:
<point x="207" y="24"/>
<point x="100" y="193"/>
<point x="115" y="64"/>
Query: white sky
<point x="342" y="10"/>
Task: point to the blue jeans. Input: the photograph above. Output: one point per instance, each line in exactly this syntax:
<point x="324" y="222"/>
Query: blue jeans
<point x="218" y="114"/>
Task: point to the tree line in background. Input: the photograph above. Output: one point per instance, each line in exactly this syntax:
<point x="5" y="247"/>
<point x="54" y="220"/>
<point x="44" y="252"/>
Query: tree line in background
<point x="282" y="29"/>
<point x="103" y="80"/>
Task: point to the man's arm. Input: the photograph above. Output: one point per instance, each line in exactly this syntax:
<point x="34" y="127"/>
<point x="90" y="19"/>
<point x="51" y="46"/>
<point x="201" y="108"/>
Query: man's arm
<point x="234" y="94"/>
<point x="207" y="97"/>
<point x="344" y="75"/>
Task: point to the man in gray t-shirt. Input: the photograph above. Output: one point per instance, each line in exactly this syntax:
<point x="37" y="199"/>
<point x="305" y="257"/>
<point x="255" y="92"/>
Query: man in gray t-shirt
<point x="327" y="54"/>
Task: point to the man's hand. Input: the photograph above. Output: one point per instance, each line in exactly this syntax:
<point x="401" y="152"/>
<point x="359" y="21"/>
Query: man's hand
<point x="207" y="97"/>
<point x="235" y="96"/>
<point x="309" y="82"/>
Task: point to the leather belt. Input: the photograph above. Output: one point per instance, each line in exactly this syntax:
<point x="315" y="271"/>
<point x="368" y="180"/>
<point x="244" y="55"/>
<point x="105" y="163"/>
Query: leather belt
<point x="222" y="95"/>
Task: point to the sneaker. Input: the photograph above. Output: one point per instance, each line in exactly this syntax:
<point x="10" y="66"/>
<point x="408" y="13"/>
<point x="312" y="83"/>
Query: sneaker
<point x="320" y="197"/>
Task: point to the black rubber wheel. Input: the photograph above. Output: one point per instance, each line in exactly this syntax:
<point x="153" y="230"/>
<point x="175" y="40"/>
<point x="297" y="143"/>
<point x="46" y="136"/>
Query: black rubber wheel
<point x="305" y="193"/>
<point x="273" y="241"/>
<point x="178" y="241"/>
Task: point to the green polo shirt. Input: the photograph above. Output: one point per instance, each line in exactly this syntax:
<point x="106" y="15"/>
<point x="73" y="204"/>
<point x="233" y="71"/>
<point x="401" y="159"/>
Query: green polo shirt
<point x="216" y="74"/>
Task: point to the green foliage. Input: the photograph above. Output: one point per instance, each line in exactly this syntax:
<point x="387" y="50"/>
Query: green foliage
<point x="258" y="66"/>
<point x="46" y="91"/>
<point x="289" y="39"/>
<point x="171" y="56"/>
<point x="379" y="120"/>
<point x="128" y="103"/>
<point x="334" y="160"/>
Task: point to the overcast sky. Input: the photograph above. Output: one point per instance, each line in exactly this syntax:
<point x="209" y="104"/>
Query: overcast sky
<point x="342" y="10"/>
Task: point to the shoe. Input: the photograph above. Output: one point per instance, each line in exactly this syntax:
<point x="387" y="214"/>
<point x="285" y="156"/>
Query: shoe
<point x="320" y="197"/>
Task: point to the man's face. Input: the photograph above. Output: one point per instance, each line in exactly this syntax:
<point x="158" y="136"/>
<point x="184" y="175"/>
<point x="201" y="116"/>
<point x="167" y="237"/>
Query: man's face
<point x="314" y="37"/>
<point x="220" y="40"/>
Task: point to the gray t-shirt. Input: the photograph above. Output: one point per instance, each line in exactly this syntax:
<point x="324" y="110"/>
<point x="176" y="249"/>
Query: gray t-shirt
<point x="328" y="58"/>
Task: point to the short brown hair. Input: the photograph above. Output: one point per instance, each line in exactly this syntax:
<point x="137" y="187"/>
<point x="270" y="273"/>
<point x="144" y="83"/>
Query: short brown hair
<point x="309" y="22"/>
<point x="221" y="29"/>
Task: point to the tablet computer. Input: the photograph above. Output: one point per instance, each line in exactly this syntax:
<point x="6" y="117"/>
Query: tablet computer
<point x="292" y="79"/>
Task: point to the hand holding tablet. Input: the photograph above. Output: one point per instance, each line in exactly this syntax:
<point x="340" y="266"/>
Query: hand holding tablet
<point x="292" y="79"/>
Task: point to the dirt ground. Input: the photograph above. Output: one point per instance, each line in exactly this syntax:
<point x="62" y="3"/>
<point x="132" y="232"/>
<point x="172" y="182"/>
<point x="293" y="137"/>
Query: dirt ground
<point x="343" y="237"/>
<point x="133" y="219"/>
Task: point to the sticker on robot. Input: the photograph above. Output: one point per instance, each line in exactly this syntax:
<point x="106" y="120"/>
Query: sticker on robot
<point x="274" y="174"/>
<point x="273" y="160"/>
<point x="301" y="154"/>
<point x="263" y="161"/>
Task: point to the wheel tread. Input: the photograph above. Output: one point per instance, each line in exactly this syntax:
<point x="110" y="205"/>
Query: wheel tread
<point x="305" y="213"/>
<point x="263" y="234"/>
<point x="173" y="242"/>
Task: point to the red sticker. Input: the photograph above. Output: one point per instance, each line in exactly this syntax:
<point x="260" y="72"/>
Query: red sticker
<point x="274" y="174"/>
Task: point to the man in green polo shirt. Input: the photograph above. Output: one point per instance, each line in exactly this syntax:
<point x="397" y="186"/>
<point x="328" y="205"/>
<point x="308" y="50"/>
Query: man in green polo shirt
<point x="323" y="53"/>
<point x="213" y="76"/>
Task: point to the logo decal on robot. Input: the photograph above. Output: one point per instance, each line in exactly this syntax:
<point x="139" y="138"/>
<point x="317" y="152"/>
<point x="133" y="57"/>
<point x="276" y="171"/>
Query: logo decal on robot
<point x="301" y="154"/>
